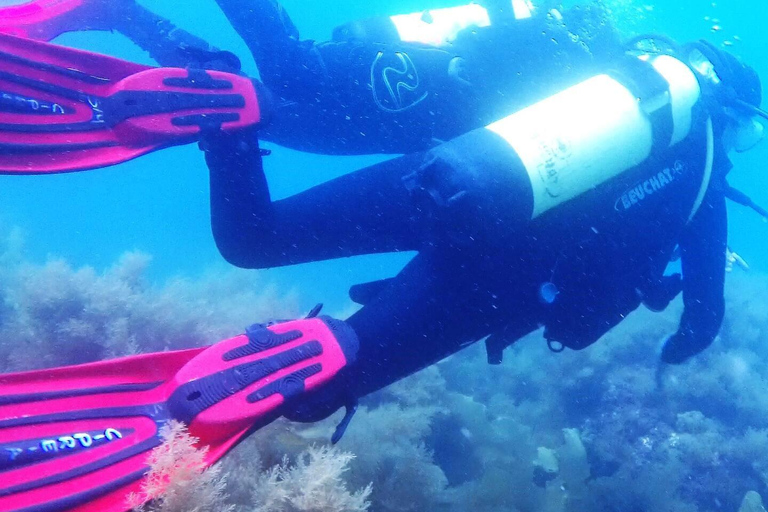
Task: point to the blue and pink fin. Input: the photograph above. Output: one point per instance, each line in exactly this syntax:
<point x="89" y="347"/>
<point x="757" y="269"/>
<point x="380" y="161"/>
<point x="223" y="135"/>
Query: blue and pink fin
<point x="77" y="438"/>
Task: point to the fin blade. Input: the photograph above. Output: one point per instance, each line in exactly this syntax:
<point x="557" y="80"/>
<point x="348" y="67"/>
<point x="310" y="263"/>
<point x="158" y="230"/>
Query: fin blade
<point x="37" y="19"/>
<point x="45" y="57"/>
<point x="64" y="110"/>
<point x="78" y="437"/>
<point x="85" y="473"/>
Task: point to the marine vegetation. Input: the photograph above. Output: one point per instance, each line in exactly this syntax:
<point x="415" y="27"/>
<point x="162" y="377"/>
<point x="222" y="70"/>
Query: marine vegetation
<point x="596" y="430"/>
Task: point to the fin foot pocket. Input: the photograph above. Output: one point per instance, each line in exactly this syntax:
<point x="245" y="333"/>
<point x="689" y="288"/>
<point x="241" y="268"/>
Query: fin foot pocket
<point x="77" y="438"/>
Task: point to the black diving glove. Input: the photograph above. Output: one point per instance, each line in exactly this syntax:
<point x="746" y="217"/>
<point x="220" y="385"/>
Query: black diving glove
<point x="657" y="297"/>
<point x="677" y="349"/>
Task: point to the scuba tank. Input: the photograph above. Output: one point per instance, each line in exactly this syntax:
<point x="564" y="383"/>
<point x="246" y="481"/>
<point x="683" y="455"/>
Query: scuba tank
<point x="434" y="27"/>
<point x="589" y="133"/>
<point x="490" y="183"/>
<point x="524" y="165"/>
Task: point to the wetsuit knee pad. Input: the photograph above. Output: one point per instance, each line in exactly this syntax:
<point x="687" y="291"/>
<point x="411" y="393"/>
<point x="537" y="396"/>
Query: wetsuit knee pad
<point x="473" y="189"/>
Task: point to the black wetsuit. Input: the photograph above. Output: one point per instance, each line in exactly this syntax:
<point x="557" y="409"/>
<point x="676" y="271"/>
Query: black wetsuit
<point x="470" y="280"/>
<point x="480" y="261"/>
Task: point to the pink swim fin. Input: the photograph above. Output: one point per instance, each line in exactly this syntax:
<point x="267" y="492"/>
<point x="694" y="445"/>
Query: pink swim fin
<point x="68" y="110"/>
<point x="46" y="19"/>
<point x="77" y="438"/>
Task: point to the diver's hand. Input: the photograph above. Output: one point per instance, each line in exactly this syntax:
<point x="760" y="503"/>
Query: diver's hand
<point x="732" y="259"/>
<point x="657" y="297"/>
<point x="210" y="58"/>
<point x="234" y="144"/>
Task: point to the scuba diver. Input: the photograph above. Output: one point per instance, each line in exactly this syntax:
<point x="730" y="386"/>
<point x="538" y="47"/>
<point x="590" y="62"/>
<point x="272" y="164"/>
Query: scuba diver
<point x="407" y="82"/>
<point x="564" y="214"/>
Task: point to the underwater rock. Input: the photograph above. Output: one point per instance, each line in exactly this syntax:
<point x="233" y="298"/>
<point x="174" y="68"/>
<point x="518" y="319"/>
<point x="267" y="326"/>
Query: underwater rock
<point x="453" y="449"/>
<point x="752" y="503"/>
<point x="546" y="466"/>
<point x="574" y="467"/>
<point x="562" y="474"/>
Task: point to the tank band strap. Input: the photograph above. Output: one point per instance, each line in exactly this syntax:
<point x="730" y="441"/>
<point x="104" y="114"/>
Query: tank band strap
<point x="652" y="92"/>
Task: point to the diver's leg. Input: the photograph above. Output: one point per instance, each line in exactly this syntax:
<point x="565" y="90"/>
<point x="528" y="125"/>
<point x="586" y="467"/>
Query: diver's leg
<point x="366" y="211"/>
<point x="445" y="299"/>
<point x="263" y="25"/>
<point x="469" y="190"/>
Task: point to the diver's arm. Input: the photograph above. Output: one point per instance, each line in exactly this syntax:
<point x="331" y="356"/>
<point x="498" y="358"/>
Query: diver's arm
<point x="703" y="247"/>
<point x="285" y="63"/>
<point x="261" y="23"/>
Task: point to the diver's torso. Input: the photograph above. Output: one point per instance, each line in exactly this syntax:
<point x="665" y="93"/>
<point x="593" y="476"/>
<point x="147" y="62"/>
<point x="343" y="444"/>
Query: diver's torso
<point x="602" y="249"/>
<point x="645" y="206"/>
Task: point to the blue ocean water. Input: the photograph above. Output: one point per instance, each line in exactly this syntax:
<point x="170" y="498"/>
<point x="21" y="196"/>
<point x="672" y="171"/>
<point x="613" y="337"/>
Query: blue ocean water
<point x="159" y="204"/>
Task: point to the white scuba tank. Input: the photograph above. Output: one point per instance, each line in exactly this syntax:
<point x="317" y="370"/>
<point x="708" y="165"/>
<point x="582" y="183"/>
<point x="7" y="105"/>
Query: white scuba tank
<point x="583" y="136"/>
<point x="438" y="27"/>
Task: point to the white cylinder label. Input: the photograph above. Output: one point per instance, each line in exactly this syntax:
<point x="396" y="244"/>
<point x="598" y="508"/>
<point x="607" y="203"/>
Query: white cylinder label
<point x="577" y="139"/>
<point x="584" y="136"/>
